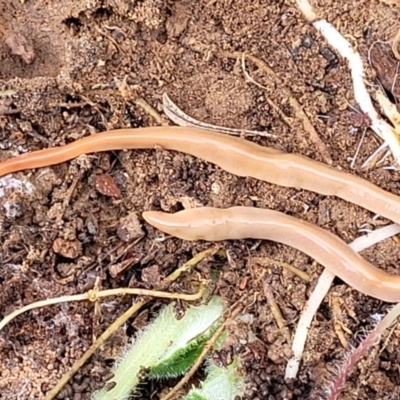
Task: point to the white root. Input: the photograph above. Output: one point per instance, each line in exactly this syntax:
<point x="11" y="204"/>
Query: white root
<point x="321" y="290"/>
<point x="361" y="95"/>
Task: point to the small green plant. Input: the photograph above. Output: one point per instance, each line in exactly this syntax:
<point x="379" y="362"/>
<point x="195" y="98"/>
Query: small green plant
<point x="178" y="360"/>
<point x="166" y="338"/>
<point x="220" y="384"/>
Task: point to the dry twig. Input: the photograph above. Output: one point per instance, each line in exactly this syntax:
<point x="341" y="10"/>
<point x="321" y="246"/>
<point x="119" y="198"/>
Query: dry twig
<point x="267" y="261"/>
<point x="112" y="328"/>
<point x="297" y="108"/>
<point x="95" y="295"/>
<point x="276" y="312"/>
<point x="176" y="115"/>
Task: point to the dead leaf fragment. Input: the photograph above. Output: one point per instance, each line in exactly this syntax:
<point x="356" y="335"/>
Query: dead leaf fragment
<point x="106" y="185"/>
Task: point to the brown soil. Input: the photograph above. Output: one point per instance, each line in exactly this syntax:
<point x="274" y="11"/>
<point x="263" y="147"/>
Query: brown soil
<point x="61" y="67"/>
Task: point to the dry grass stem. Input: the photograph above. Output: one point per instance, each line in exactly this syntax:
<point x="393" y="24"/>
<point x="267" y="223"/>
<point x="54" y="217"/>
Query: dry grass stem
<point x="276" y="312"/>
<point x="95" y="295"/>
<point x="175" y="114"/>
<point x="294" y="103"/>
<point x="120" y="321"/>
<point x="265" y="261"/>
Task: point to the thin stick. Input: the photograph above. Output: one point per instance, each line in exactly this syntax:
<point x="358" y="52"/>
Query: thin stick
<point x="374" y="155"/>
<point x="68" y="196"/>
<point x="273" y="105"/>
<point x="105" y="335"/>
<point x="298" y="272"/>
<point x="384" y="157"/>
<point x="94" y="295"/>
<point x="297" y="108"/>
<point x="175" y="114"/>
<point x="353" y="161"/>
<point x="148" y="109"/>
<point x="191" y="263"/>
<point x="120" y="321"/>
<point x="128" y="94"/>
<point x="276" y="312"/>
<point x="102" y="338"/>
<point x="307" y="315"/>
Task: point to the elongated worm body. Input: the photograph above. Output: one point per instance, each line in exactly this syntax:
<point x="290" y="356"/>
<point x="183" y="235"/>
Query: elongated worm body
<point x="235" y="155"/>
<point x="215" y="224"/>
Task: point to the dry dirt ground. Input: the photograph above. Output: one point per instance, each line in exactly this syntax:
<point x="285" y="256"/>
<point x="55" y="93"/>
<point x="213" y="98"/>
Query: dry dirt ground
<point x="62" y="65"/>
